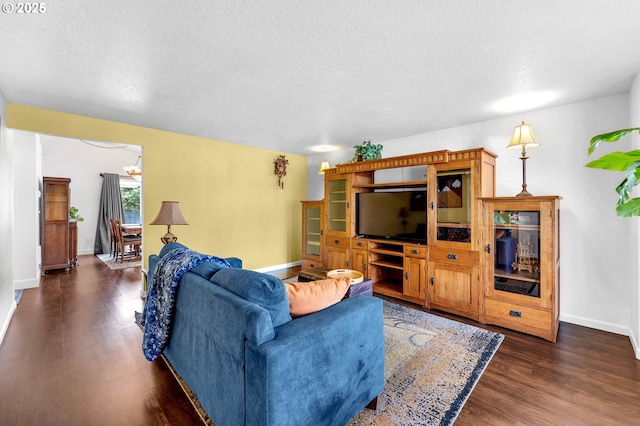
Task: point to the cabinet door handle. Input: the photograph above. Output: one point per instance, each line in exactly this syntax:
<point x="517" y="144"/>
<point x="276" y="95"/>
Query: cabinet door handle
<point x="336" y="241"/>
<point x="517" y="314"/>
<point x="452" y="256"/>
<point x="359" y="244"/>
<point x="432" y="281"/>
<point x="406" y="275"/>
<point x="348" y="264"/>
<point x="432" y="205"/>
<point x="488" y="248"/>
<point x="414" y="251"/>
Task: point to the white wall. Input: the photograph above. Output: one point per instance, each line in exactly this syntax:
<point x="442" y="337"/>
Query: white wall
<point x="83" y="163"/>
<point x="596" y="276"/>
<point x="26" y="173"/>
<point x="634" y="251"/>
<point x="7" y="299"/>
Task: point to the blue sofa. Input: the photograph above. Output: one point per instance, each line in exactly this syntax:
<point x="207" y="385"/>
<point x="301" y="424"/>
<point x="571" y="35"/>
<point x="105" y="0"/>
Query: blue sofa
<point x="249" y="363"/>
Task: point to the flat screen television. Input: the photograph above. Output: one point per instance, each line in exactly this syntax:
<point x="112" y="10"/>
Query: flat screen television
<point x="395" y="215"/>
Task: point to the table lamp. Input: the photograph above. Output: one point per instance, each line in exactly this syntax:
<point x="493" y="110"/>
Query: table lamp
<point x="169" y="215"/>
<point x="523" y="138"/>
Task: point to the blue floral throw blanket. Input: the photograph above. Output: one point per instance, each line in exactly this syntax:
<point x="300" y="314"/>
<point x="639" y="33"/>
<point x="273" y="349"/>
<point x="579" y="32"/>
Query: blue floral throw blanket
<point x="159" y="307"/>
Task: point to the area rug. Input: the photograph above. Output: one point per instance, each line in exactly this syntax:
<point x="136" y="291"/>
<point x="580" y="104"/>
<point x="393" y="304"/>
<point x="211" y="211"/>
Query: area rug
<point x="431" y="366"/>
<point x="113" y="265"/>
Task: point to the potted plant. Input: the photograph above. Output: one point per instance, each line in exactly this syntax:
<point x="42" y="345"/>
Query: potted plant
<point x="627" y="162"/>
<point x="367" y="151"/>
<point x="73" y="214"/>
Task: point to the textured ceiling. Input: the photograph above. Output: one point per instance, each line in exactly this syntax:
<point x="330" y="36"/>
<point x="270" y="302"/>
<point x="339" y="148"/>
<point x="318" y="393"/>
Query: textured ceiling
<point x="287" y="75"/>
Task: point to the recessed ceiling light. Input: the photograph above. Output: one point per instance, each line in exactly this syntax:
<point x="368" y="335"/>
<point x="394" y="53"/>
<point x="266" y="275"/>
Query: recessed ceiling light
<point x="324" y="148"/>
<point x="524" y="101"/>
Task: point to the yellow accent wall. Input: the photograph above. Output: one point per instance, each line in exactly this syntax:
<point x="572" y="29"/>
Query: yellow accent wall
<point x="227" y="192"/>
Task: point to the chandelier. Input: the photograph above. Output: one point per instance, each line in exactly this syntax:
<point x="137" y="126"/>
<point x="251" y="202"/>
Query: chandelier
<point x="134" y="171"/>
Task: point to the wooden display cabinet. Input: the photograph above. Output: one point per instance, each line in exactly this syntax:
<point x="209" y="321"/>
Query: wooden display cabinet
<point x="340" y="193"/>
<point x="55" y="223"/>
<point x="444" y="273"/>
<point x="312" y="234"/>
<point x="522" y="264"/>
<point x="455" y="230"/>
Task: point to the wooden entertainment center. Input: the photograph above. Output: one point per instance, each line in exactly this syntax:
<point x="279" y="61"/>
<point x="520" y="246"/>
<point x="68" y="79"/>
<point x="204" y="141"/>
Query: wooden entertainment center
<point x="454" y="268"/>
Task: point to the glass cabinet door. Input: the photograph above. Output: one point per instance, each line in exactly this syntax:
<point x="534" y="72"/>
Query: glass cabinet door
<point x="313" y="231"/>
<point x="337" y="215"/>
<point x="517" y="252"/>
<point x="454" y="205"/>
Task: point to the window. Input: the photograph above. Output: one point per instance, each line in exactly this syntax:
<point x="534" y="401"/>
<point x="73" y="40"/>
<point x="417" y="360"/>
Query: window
<point x="130" y="191"/>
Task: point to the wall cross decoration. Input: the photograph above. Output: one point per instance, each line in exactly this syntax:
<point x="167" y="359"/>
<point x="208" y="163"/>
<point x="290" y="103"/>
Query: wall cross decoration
<point x="281" y="169"/>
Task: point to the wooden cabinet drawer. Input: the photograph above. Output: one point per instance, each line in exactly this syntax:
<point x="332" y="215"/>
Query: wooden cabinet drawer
<point x="416" y="251"/>
<point x="462" y="257"/>
<point x="338" y="242"/>
<point x="515" y="316"/>
<point x="311" y="264"/>
<point x="359" y="243"/>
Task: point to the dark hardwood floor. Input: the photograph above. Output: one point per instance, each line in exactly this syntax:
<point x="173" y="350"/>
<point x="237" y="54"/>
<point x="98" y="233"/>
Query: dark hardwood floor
<point x="72" y="356"/>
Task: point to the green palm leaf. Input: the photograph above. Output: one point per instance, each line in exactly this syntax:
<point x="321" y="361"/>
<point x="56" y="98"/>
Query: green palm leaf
<point x="628" y="162"/>
<point x="630" y="208"/>
<point x="619" y="161"/>
<point x="610" y="137"/>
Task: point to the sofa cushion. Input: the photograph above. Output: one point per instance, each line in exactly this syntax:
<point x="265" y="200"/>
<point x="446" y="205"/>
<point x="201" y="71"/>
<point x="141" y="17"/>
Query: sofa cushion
<point x="207" y="269"/>
<point x="264" y="290"/>
<point x="308" y="297"/>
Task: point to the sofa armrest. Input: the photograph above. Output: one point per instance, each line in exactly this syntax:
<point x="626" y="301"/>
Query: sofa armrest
<point x="320" y="369"/>
<point x="234" y="262"/>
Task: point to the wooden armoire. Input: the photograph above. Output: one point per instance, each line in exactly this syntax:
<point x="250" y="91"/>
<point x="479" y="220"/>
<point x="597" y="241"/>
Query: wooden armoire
<point x="55" y="223"/>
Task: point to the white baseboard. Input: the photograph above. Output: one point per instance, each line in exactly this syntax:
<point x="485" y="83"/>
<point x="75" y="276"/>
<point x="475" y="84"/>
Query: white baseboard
<point x="598" y="325"/>
<point x="85" y="251"/>
<point x="635" y="344"/>
<point x="5" y="326"/>
<point x="23" y="284"/>
<point x="277" y="267"/>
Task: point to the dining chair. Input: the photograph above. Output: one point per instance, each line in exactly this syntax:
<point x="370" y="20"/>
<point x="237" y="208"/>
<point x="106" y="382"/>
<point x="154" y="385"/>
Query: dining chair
<point x="113" y="246"/>
<point x="132" y="242"/>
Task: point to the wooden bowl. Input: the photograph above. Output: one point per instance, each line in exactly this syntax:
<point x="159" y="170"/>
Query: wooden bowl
<point x="355" y="277"/>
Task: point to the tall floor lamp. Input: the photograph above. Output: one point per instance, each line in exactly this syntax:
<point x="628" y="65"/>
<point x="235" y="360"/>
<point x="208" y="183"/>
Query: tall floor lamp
<point x="523" y="138"/>
<point x="169" y="214"/>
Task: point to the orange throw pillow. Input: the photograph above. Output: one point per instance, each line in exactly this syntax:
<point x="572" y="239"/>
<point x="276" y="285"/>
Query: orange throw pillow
<point x="313" y="296"/>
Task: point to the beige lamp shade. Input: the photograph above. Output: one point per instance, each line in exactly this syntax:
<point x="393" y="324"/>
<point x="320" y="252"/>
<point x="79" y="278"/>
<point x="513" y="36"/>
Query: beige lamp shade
<point x="523" y="138"/>
<point x="169" y="214"/>
<point x="323" y="166"/>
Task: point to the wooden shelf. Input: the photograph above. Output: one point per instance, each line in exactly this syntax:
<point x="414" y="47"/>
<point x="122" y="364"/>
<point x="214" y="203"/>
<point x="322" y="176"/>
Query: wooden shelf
<point x="388" y="288"/>
<point x="390" y="252"/>
<point x="517" y="227"/>
<point x="386" y="264"/>
<point x="414" y="184"/>
<point x="515" y="275"/>
<point x="453" y="225"/>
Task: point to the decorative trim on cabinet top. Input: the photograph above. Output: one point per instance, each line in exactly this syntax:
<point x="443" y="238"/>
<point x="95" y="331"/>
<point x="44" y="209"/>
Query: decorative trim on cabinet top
<point x="421" y="159"/>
